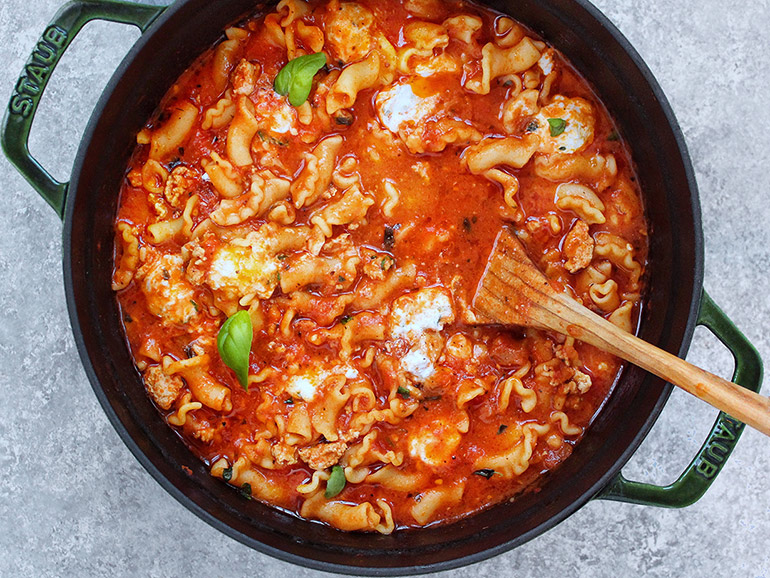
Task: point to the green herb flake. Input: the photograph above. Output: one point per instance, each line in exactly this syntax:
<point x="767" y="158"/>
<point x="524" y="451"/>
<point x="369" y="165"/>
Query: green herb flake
<point x="195" y="305"/>
<point x="613" y="136"/>
<point x="234" y="345"/>
<point x="296" y="78"/>
<point x="264" y="137"/>
<point x="486" y="473"/>
<point x="281" y="257"/>
<point x="403" y="391"/>
<point x="532" y="126"/>
<point x="246" y="490"/>
<point x="227" y="474"/>
<point x="336" y="482"/>
<point x="346" y="319"/>
<point x="467" y="224"/>
<point x="557" y="126"/>
<point x="501" y="429"/>
<point x="289" y="401"/>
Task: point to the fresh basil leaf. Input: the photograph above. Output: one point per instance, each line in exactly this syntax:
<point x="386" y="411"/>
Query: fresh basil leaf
<point x="282" y="82"/>
<point x="234" y="344"/>
<point x="227" y="474"/>
<point x="557" y="126"/>
<point x="336" y="482"/>
<point x="296" y="78"/>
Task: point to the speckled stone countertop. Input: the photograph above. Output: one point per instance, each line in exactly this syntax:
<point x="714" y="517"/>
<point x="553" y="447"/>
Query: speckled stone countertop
<point x="75" y="502"/>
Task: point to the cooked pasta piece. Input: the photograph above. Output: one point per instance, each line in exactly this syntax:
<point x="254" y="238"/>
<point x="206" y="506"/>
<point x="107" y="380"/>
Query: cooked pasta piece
<point x="129" y="256"/>
<point x="599" y="170"/>
<point x="620" y="252"/>
<point x="510" y="151"/>
<point x="163" y="231"/>
<point x="225" y="178"/>
<point x="496" y="62"/>
<point x="463" y="27"/>
<point x="316" y="174"/>
<point x="354" y="78"/>
<point x="341" y="515"/>
<point x="434" y="500"/>
<point x="605" y="295"/>
<point x="350" y="208"/>
<point x="582" y="201"/>
<point x="171" y="136"/>
<point x="219" y="115"/>
<point x="243" y="128"/>
<point x="265" y="191"/>
<point x="622" y="316"/>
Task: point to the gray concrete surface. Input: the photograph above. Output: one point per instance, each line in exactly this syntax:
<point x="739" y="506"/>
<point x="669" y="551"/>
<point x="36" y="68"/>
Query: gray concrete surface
<point x="74" y="502"/>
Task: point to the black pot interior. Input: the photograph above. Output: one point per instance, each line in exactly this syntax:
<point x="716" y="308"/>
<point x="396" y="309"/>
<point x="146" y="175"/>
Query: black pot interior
<point x="625" y="85"/>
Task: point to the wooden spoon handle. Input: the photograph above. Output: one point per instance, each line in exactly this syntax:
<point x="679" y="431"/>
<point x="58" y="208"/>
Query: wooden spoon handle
<point x="742" y="404"/>
<point x="513" y="291"/>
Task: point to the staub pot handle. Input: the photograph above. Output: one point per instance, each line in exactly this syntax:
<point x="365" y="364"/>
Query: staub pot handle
<point x="711" y="458"/>
<point x="38" y="70"/>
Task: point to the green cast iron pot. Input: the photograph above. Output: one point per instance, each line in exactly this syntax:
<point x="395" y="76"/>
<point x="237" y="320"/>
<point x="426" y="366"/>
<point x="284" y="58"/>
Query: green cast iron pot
<point x="172" y="38"/>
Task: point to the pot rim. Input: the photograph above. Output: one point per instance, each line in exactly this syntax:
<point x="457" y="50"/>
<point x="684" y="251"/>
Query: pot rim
<point x="70" y="254"/>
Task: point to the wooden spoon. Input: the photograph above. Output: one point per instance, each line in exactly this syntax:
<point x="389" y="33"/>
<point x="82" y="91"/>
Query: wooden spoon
<point x="512" y="291"/>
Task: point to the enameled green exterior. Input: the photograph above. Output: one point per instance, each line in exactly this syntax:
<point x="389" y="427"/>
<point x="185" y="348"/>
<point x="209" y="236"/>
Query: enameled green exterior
<point x="34" y="78"/>
<point x="711" y="458"/>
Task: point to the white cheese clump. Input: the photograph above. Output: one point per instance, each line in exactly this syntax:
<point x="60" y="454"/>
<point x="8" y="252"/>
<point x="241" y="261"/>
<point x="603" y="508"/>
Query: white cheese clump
<point x="546" y="62"/>
<point x="399" y="104"/>
<point x="280" y="116"/>
<point x="244" y="267"/>
<point x="306" y="385"/>
<point x="417" y="318"/>
<point x="578" y="131"/>
<point x="167" y="292"/>
<point x="424" y="310"/>
<point x="435" y="443"/>
<point x="418" y="363"/>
